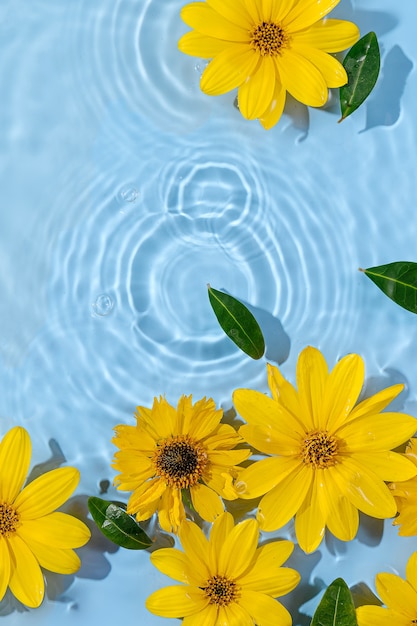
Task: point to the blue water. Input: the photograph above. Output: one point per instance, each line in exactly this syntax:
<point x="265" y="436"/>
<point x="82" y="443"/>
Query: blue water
<point x="125" y="190"/>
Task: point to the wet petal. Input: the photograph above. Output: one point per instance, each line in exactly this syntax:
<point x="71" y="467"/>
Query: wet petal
<point x="270" y="440"/>
<point x="196" y="547"/>
<point x="171" y="512"/>
<point x="273" y="113"/>
<point x="329" y="35"/>
<point x="342" y="390"/>
<point x="15" y="452"/>
<point x="56" y="560"/>
<point x="229" y="69"/>
<point x="264" y="610"/>
<point x="198" y="420"/>
<point x="306" y="13"/>
<point x="259" y="410"/>
<point x="234" y="11"/>
<point x="397" y="594"/>
<point x="177" y="601"/>
<point x="5" y="567"/>
<point x="377" y="402"/>
<point x="145" y="495"/>
<point x="411" y="571"/>
<point x="383" y="431"/>
<point x="266" y="575"/>
<point x="281" y="503"/>
<point x="201" y="17"/>
<point x="201" y="46"/>
<point x="173" y="563"/>
<point x="264" y="475"/>
<point x="238" y="551"/>
<point x="234" y="615"/>
<point x="310" y="520"/>
<point x="207" y="617"/>
<point x="220" y="530"/>
<point x="206" y="502"/>
<point x="341" y="516"/>
<point x="58" y="530"/>
<point x="302" y="79"/>
<point x="378" y="616"/>
<point x="255" y="94"/>
<point x="312" y="374"/>
<point x="26" y="581"/>
<point x="47" y="492"/>
<point x="387" y="465"/>
<point x="333" y="71"/>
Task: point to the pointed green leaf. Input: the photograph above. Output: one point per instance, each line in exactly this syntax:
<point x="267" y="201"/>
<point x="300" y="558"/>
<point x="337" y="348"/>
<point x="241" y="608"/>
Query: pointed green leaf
<point x="117" y="525"/>
<point x="398" y="281"/>
<point x="362" y="64"/>
<point x="336" y="607"/>
<point x="238" y="323"/>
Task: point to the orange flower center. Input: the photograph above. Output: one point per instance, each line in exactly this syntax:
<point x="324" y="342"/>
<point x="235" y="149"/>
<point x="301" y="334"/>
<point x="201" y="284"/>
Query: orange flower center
<point x="268" y="38"/>
<point x="319" y="449"/>
<point x="9" y="519"/>
<point x="221" y="591"/>
<point x="180" y="461"/>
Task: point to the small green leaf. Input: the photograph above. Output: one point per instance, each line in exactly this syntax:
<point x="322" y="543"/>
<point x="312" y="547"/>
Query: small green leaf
<point x="398" y="281"/>
<point x="238" y="323"/>
<point x="336" y="607"/>
<point x="362" y="64"/>
<point x="117" y="525"/>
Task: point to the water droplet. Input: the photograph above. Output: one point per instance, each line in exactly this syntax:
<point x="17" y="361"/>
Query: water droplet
<point x="103" y="305"/>
<point x="129" y="194"/>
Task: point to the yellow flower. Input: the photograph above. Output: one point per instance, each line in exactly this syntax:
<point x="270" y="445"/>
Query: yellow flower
<point x="227" y="579"/>
<point x="328" y="458"/>
<point x="405" y="494"/>
<point x="170" y="450"/>
<point x="31" y="534"/>
<point x="266" y="48"/>
<point x="399" y="596"/>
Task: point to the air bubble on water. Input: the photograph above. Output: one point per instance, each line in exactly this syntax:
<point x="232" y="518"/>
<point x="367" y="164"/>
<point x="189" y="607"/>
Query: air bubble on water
<point x="128" y="194"/>
<point x="103" y="305"/>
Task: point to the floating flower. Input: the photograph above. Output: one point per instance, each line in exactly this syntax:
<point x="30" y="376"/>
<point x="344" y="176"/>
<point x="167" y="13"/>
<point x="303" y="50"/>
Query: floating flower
<point x="329" y="457"/>
<point x="171" y="450"/>
<point x="266" y="48"/>
<point x="399" y="596"/>
<point x="227" y="579"/>
<point x="31" y="534"/>
<point x="405" y="494"/>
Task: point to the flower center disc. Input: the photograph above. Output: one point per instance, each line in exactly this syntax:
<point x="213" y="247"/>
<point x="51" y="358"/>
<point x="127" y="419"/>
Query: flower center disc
<point x="180" y="461"/>
<point x="9" y="519"/>
<point x="268" y="38"/>
<point x="319" y="449"/>
<point x="220" y="590"/>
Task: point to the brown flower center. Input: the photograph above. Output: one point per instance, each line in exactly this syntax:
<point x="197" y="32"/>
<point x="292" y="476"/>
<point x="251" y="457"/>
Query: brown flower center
<point x="220" y="590"/>
<point x="268" y="38"/>
<point x="9" y="519"/>
<point x="319" y="449"/>
<point x="180" y="461"/>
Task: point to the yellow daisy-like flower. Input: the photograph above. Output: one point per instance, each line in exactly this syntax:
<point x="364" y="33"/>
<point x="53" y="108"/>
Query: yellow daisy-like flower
<point x="32" y="535"/>
<point x="227" y="579"/>
<point x="328" y="456"/>
<point x="405" y="494"/>
<point x="266" y="48"/>
<point x="399" y="596"/>
<point x="170" y="450"/>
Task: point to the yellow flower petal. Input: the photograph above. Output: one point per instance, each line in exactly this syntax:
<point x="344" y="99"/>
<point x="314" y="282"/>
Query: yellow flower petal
<point x="196" y="547"/>
<point x="171" y="512"/>
<point x="229" y="69"/>
<point x="270" y="440"/>
<point x="220" y="530"/>
<point x="15" y="452"/>
<point x="58" y="530"/>
<point x="387" y="465"/>
<point x="411" y="571"/>
<point x="173" y="563"/>
<point x="134" y="438"/>
<point x="377" y="402"/>
<point x="255" y="94"/>
<point x="26" y="580"/>
<point x="201" y="17"/>
<point x="366" y="491"/>
<point x="283" y="392"/>
<point x="258" y="409"/>
<point x="264" y="610"/>
<point x="5" y="567"/>
<point x="341" y="516"/>
<point x="377" y="432"/>
<point x="342" y="390"/>
<point x="312" y="374"/>
<point x="237" y="553"/>
<point x="234" y="615"/>
<point x="234" y="11"/>
<point x="306" y="13"/>
<point x="302" y="79"/>
<point x="47" y="492"/>
<point x="378" y="616"/>
<point x="263" y="475"/>
<point x="206" y="502"/>
<point x="177" y="601"/>
<point x="267" y="576"/>
<point x="227" y="458"/>
<point x="329" y="35"/>
<point x="198" y="420"/>
<point x="202" y="46"/>
<point x="397" y="594"/>
<point x="145" y="495"/>
<point x="207" y="617"/>
<point x="280" y="504"/>
<point x="310" y="520"/>
<point x="333" y="71"/>
<point x="60" y="561"/>
<point x="273" y="113"/>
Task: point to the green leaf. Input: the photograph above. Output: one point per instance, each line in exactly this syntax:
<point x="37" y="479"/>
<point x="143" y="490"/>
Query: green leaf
<point x="117" y="525"/>
<point x="238" y="323"/>
<point x="362" y="64"/>
<point x="398" y="281"/>
<point x="336" y="607"/>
